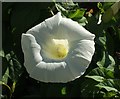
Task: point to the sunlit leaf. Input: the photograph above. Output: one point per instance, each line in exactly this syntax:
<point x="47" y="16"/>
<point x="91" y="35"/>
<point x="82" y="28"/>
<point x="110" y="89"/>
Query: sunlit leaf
<point x="110" y="94"/>
<point x="2" y="54"/>
<point x="83" y="21"/>
<point x="106" y="87"/>
<point x="100" y="6"/>
<point x="13" y="86"/>
<point x="70" y="10"/>
<point x="96" y="78"/>
<point x="5" y="76"/>
<point x="76" y="14"/>
<point x="109" y="85"/>
<point x="102" y="39"/>
<point x="60" y="8"/>
<point x="4" y="65"/>
<point x="111" y="63"/>
<point x="102" y="61"/>
<point x="106" y="61"/>
<point x="63" y="91"/>
<point x="4" y="62"/>
<point x="103" y="72"/>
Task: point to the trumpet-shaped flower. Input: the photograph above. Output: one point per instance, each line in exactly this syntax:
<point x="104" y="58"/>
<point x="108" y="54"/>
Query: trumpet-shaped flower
<point x="57" y="50"/>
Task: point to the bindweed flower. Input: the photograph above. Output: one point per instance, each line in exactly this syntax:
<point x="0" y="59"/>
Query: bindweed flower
<point x="57" y="50"/>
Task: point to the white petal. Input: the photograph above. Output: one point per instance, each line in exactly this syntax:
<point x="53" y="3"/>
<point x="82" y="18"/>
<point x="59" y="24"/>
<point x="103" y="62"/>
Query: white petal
<point x="31" y="51"/>
<point x="83" y="48"/>
<point x="52" y="72"/>
<point x="80" y="56"/>
<point x="73" y="31"/>
<point x="47" y="72"/>
<point x="77" y="65"/>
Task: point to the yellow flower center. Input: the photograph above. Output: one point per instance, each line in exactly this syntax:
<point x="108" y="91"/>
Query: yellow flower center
<point x="58" y="49"/>
<point x="61" y="51"/>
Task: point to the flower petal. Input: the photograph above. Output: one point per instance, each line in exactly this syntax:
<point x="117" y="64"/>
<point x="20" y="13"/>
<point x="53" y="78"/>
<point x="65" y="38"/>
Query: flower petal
<point x="52" y="72"/>
<point x="80" y="56"/>
<point x="47" y="72"/>
<point x="83" y="48"/>
<point x="58" y="27"/>
<point x="77" y="65"/>
<point x="71" y="30"/>
<point x="31" y="51"/>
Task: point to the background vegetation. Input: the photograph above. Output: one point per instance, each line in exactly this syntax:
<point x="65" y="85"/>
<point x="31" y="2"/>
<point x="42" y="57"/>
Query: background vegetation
<point x="102" y="78"/>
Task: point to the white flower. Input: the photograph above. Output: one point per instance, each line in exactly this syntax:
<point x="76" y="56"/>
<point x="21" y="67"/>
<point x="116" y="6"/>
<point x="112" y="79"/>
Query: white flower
<point x="57" y="50"/>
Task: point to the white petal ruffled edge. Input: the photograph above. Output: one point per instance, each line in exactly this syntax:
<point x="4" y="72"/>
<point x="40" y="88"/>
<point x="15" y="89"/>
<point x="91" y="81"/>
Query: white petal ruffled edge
<point x="57" y="27"/>
<point x="39" y="70"/>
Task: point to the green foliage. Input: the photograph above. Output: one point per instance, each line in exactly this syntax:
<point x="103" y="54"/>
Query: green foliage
<point x="102" y="78"/>
<point x="103" y="7"/>
<point x="73" y="11"/>
<point x="63" y="91"/>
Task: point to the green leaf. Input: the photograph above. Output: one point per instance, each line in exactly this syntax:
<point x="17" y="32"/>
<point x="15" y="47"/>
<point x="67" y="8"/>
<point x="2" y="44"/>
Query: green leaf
<point x="4" y="62"/>
<point x="5" y="76"/>
<point x="70" y="10"/>
<point x="63" y="91"/>
<point x="76" y="14"/>
<point x="96" y="78"/>
<point x="83" y="21"/>
<point x="102" y="61"/>
<point x="106" y="87"/>
<point x="110" y="94"/>
<point x="15" y="67"/>
<point x="103" y="40"/>
<point x="4" y="65"/>
<point x="13" y="86"/>
<point x="111" y="62"/>
<point x="103" y="72"/>
<point x="100" y="6"/>
<point x="109" y="85"/>
<point x="59" y="7"/>
<point x="2" y="54"/>
<point x="106" y="61"/>
<point x="68" y="5"/>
